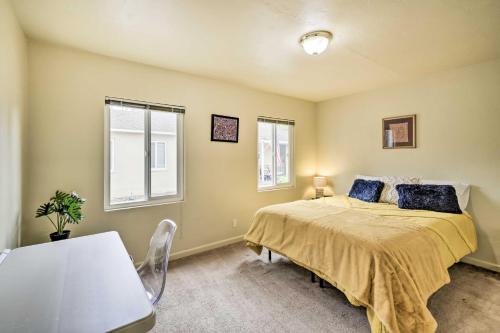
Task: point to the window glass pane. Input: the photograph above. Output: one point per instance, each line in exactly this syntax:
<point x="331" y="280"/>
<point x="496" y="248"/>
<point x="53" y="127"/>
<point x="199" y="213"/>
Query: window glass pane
<point x="127" y="134"/>
<point x="111" y="155"/>
<point x="282" y="154"/>
<point x="160" y="155"/>
<point x="164" y="134"/>
<point x="265" y="153"/>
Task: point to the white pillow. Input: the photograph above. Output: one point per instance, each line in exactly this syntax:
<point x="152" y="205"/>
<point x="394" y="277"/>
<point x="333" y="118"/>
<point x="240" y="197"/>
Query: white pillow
<point x="462" y="190"/>
<point x="389" y="193"/>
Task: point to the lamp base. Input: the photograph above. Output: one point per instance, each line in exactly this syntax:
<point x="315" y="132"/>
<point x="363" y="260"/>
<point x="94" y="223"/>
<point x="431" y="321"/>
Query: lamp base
<point x="319" y="192"/>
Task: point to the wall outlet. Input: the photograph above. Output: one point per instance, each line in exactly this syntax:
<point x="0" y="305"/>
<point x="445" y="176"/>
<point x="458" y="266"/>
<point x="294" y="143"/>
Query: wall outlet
<point x="235" y="223"/>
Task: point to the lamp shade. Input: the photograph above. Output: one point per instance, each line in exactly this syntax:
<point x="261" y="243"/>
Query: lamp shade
<point x="319" y="181"/>
<point x="315" y="42"/>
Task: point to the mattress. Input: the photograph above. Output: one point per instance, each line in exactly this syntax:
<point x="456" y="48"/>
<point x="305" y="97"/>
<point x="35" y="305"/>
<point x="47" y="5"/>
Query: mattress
<point x="386" y="259"/>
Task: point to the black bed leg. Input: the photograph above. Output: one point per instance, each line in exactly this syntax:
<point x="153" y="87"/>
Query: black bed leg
<point x="313" y="277"/>
<point x="321" y="283"/>
<point x="269" y="254"/>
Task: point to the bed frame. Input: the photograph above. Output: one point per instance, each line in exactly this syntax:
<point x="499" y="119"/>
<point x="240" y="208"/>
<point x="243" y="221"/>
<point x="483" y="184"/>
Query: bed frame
<point x="313" y="276"/>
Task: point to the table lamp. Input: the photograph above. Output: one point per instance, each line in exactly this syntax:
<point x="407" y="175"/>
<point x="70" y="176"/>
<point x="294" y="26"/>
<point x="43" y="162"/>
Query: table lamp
<point x="319" y="183"/>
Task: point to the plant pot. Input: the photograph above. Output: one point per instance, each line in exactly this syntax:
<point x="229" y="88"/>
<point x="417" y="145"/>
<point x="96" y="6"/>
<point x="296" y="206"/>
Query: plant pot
<point x="56" y="237"/>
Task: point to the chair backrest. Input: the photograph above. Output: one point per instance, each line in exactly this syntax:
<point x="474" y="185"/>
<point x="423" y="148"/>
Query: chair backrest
<point x="154" y="268"/>
<point x="4" y="254"/>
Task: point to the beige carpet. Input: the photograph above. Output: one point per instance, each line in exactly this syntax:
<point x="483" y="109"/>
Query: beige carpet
<point x="232" y="290"/>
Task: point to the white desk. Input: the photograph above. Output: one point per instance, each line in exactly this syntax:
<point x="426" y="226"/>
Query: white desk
<point x="84" y="284"/>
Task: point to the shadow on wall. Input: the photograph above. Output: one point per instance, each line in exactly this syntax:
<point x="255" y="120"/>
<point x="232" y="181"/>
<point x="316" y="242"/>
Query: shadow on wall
<point x="309" y="192"/>
<point x="480" y="202"/>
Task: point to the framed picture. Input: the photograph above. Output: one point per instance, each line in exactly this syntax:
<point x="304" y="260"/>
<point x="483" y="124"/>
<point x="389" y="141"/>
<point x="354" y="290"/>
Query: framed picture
<point x="224" y="128"/>
<point x="399" y="132"/>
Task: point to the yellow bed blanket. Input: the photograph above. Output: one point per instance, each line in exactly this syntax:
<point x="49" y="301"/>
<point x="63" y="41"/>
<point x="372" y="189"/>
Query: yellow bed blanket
<point x="386" y="259"/>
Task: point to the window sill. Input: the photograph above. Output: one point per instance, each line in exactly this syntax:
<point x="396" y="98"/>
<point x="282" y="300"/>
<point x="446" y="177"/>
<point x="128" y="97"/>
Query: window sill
<point x="142" y="204"/>
<point x="275" y="188"/>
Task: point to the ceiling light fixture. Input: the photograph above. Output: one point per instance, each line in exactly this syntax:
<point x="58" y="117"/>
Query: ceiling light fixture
<point x="315" y="42"/>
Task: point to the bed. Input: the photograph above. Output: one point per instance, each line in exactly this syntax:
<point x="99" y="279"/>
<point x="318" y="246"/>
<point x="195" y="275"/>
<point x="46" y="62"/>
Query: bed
<point x="386" y="259"/>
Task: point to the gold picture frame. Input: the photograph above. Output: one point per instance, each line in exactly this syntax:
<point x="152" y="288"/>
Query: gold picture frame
<point x="399" y="132"/>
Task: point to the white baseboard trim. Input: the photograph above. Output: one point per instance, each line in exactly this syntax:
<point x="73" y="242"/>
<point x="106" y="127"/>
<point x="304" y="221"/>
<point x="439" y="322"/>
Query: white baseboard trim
<point x="481" y="263"/>
<point x="206" y="247"/>
<point x="199" y="249"/>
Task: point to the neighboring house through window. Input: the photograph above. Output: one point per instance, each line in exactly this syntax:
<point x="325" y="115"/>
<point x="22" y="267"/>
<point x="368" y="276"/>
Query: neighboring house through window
<point x="143" y="138"/>
<point x="275" y="153"/>
<point x="158" y="155"/>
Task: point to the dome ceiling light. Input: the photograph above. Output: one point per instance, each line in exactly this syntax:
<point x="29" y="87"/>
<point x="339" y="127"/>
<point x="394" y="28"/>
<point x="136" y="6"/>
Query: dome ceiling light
<point x="315" y="42"/>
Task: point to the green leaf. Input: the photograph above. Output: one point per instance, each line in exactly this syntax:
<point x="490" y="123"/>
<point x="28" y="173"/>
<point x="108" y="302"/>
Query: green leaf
<point x="68" y="206"/>
<point x="59" y="197"/>
<point x="73" y="210"/>
<point x="45" y="209"/>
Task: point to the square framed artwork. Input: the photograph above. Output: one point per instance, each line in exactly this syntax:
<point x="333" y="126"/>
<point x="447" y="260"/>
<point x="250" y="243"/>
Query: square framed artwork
<point x="399" y="132"/>
<point x="224" y="128"/>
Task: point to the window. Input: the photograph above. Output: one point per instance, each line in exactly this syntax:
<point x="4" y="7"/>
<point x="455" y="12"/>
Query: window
<point x="158" y="155"/>
<point x="142" y="140"/>
<point x="275" y="153"/>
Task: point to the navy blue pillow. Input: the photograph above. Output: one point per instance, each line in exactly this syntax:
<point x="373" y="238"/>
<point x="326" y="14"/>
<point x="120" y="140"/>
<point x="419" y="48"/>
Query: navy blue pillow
<point x="366" y="190"/>
<point x="438" y="198"/>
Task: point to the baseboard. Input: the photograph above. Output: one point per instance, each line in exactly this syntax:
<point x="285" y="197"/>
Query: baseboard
<point x="199" y="249"/>
<point x="481" y="263"/>
<point x="206" y="247"/>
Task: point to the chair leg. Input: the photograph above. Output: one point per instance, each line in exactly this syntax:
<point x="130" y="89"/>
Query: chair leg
<point x="269" y="254"/>
<point x="313" y="277"/>
<point x="321" y="283"/>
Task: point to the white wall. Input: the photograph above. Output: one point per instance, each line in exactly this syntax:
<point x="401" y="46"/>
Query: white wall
<point x="67" y="90"/>
<point x="458" y="113"/>
<point x="13" y="68"/>
<point x="458" y="138"/>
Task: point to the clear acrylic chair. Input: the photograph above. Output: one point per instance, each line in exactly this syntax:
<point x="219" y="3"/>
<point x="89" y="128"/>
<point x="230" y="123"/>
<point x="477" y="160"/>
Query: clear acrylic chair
<point x="4" y="254"/>
<point x="154" y="268"/>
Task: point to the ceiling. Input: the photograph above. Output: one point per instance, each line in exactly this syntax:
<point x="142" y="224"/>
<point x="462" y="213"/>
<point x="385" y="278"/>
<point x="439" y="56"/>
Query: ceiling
<point x="255" y="42"/>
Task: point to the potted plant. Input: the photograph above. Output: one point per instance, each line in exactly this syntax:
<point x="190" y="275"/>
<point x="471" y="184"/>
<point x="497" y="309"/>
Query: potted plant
<point x="67" y="208"/>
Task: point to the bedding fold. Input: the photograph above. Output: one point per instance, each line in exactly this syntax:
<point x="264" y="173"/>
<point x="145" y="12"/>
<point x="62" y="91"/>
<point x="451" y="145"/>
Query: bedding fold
<point x="384" y="258"/>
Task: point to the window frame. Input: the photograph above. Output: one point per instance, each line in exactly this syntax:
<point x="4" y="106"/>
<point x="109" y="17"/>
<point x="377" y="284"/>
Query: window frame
<point x="149" y="199"/>
<point x="291" y="142"/>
